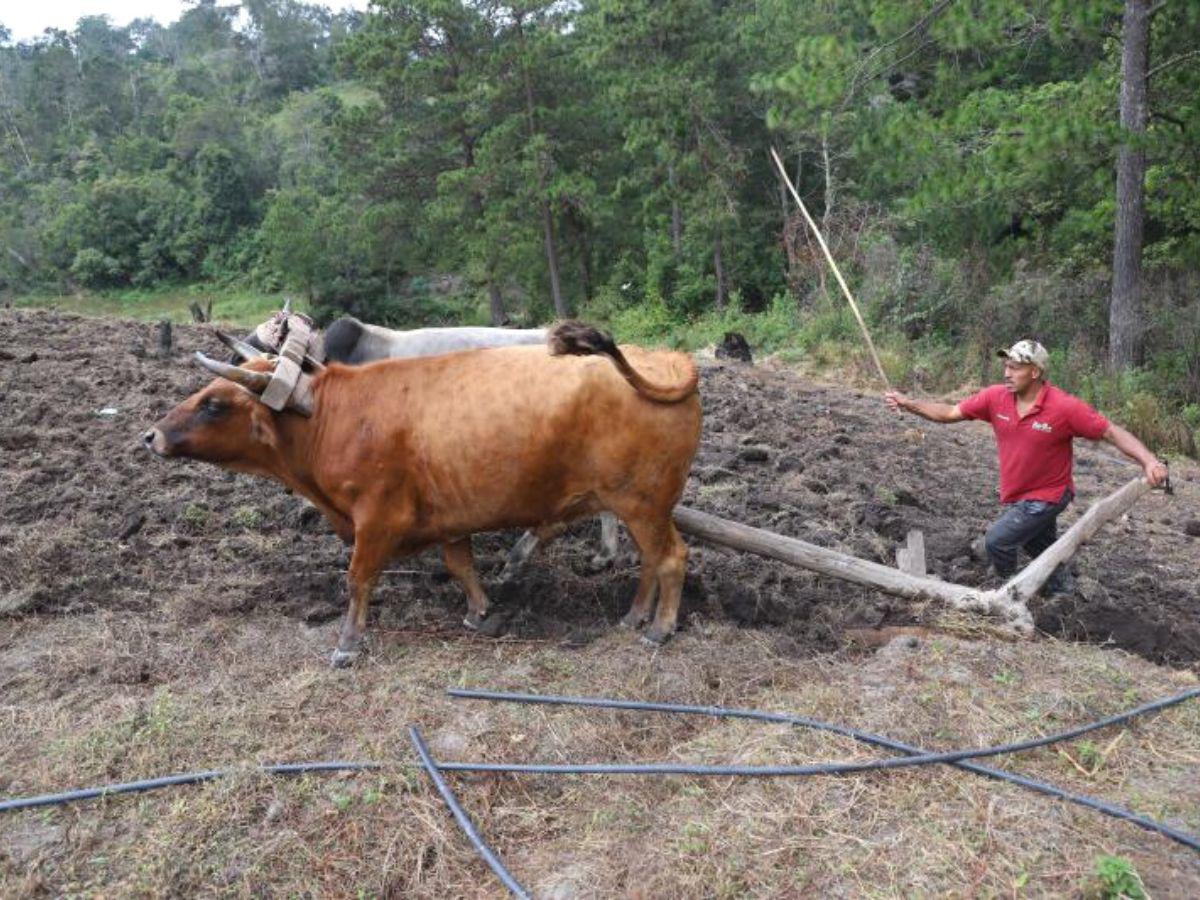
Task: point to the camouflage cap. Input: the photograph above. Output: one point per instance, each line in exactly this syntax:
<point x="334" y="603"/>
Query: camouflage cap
<point x="1027" y="352"/>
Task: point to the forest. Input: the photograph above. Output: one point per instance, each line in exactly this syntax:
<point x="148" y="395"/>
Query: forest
<point x="983" y="170"/>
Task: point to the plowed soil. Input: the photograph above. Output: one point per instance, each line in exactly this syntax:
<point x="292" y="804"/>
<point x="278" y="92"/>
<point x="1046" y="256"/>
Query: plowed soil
<point x="90" y="521"/>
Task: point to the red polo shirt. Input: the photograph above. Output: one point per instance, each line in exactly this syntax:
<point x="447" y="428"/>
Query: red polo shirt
<point x="1035" y="449"/>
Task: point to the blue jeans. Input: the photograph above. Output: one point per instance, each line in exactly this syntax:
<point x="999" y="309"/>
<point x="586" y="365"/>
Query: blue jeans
<point x="1033" y="525"/>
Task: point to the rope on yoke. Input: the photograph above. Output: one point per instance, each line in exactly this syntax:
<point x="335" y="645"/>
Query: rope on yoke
<point x="916" y="756"/>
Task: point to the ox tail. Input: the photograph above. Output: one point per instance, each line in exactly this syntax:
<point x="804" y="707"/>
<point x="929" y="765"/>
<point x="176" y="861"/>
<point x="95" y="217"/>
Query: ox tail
<point x="572" y="338"/>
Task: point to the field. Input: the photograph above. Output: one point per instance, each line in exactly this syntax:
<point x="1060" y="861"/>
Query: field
<point x="159" y="617"/>
<point x="228" y="304"/>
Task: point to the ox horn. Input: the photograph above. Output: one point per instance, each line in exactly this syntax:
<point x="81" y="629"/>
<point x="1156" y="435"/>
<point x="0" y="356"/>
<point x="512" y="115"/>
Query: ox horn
<point x="287" y="305"/>
<point x="241" y="348"/>
<point x="252" y="381"/>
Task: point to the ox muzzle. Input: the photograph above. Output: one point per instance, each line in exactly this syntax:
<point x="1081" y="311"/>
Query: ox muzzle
<point x="157" y="442"/>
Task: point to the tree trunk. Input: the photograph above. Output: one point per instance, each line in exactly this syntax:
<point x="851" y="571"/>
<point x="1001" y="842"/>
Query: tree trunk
<point x="560" y="304"/>
<point x="719" y="267"/>
<point x="585" y="260"/>
<point x="676" y="215"/>
<point x="496" y="301"/>
<point x="1125" y="308"/>
<point x="828" y="184"/>
<point x="791" y="235"/>
<point x="164" y="337"/>
<point x="16" y="132"/>
<point x="495" y="298"/>
<point x="828" y="211"/>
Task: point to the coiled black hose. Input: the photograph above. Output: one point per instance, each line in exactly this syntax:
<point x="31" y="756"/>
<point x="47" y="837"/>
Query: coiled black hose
<point x="916" y="756"/>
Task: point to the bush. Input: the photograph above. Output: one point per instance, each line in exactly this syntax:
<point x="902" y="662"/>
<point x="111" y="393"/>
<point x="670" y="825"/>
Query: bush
<point x="646" y="323"/>
<point x="94" y="269"/>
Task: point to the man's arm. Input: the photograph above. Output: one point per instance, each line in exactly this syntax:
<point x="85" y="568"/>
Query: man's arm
<point x="1156" y="471"/>
<point x="934" y="412"/>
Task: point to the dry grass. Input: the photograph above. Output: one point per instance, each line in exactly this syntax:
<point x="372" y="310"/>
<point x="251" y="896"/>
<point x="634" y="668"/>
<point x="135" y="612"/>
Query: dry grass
<point x="224" y="692"/>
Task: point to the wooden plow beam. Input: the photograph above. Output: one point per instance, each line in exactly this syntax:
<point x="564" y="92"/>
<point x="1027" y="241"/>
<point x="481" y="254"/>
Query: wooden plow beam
<point x="1007" y="603"/>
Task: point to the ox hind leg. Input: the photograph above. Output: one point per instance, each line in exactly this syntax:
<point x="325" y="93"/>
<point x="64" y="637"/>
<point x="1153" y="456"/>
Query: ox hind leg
<point x="460" y="562"/>
<point x="524" y="548"/>
<point x="370" y="555"/>
<point x="664" y="559"/>
<point x="609" y="537"/>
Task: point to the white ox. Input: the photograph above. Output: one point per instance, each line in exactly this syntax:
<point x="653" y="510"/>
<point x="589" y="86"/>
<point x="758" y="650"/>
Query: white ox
<point x="353" y="342"/>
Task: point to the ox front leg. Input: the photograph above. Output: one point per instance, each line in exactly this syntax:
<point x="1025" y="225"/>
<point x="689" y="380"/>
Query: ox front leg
<point x="460" y="562"/>
<point x="643" y="600"/>
<point x="370" y="556"/>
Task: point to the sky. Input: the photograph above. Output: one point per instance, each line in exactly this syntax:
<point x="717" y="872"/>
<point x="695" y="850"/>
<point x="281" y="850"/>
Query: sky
<point x="28" y="18"/>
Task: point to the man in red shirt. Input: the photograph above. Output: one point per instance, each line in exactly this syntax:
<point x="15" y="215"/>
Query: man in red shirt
<point x="1034" y="423"/>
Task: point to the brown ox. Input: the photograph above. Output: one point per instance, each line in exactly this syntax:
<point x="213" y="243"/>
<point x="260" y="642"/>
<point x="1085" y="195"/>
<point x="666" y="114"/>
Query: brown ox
<point x="400" y="455"/>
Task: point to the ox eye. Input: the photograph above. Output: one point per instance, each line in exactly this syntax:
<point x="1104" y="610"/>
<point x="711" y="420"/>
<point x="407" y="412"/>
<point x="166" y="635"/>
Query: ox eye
<point x="213" y="407"/>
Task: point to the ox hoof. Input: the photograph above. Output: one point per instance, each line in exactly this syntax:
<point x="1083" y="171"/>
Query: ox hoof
<point x="632" y="620"/>
<point x="343" y="659"/>
<point x="474" y="620"/>
<point x="599" y="563"/>
<point x="655" y="637"/>
<point x="507" y="574"/>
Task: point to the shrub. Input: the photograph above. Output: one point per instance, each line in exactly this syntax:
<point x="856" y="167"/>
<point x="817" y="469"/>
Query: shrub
<point x="1118" y="879"/>
<point x="94" y="269"/>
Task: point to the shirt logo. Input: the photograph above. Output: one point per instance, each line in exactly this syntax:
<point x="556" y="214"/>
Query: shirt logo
<point x="1043" y="426"/>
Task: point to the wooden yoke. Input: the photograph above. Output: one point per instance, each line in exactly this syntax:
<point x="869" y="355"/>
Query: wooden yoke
<point x="290" y="386"/>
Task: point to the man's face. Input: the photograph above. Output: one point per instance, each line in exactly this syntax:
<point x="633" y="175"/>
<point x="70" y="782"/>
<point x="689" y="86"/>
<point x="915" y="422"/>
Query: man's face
<point x="1018" y="376"/>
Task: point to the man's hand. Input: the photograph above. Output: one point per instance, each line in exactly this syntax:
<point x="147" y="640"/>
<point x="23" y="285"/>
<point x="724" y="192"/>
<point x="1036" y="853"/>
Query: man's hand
<point x="896" y="401"/>
<point x="1156" y="472"/>
<point x="1153" y="467"/>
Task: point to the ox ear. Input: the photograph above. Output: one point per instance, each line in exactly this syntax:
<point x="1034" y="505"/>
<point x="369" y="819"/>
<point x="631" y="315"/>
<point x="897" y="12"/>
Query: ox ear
<point x="262" y="427"/>
<point x="252" y="381"/>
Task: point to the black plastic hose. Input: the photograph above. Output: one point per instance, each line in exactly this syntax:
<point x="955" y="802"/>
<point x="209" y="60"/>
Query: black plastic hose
<point x="460" y="815"/>
<point x="916" y="756"/>
<point x="153" y="784"/>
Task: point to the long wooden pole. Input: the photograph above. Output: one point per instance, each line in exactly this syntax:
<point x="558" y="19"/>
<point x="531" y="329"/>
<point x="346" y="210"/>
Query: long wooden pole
<point x="1009" y="602"/>
<point x="836" y="271"/>
<point x="1026" y="582"/>
<point x="850" y="568"/>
